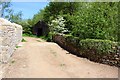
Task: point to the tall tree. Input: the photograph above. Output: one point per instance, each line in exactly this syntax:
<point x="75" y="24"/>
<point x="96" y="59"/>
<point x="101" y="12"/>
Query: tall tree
<point x="54" y="9"/>
<point x="15" y="17"/>
<point x="5" y="7"/>
<point x="96" y="21"/>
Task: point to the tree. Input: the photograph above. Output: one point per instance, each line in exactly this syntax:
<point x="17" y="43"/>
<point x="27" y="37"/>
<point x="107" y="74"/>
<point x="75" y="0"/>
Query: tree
<point x="4" y="7"/>
<point x="37" y="17"/>
<point x="54" y="9"/>
<point x="15" y="17"/>
<point x="58" y="25"/>
<point x="96" y="21"/>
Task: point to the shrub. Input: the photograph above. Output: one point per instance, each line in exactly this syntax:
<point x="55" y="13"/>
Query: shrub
<point x="23" y="40"/>
<point x="97" y="50"/>
<point x="71" y="39"/>
<point x="99" y="46"/>
<point x="48" y="37"/>
<point x="28" y="35"/>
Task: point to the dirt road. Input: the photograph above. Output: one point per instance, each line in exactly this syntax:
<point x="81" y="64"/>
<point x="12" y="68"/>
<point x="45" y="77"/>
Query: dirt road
<point x="39" y="59"/>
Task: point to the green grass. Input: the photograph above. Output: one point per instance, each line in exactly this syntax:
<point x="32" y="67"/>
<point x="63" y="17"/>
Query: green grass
<point x="18" y="46"/>
<point x="23" y="40"/>
<point x="43" y="37"/>
<point x="38" y="40"/>
<point x="28" y="35"/>
<point x="47" y="38"/>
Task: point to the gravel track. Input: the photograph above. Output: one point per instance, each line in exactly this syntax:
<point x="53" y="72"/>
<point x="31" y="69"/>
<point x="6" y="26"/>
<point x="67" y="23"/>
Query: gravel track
<point x="39" y="59"/>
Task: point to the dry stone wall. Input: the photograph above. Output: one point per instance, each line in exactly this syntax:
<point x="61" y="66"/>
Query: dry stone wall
<point x="10" y="36"/>
<point x="68" y="44"/>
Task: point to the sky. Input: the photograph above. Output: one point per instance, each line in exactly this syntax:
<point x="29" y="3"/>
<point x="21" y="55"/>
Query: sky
<point x="28" y="8"/>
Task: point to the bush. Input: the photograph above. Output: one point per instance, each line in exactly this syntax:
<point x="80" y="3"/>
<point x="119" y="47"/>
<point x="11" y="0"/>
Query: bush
<point x="29" y="35"/>
<point x="97" y="50"/>
<point x="71" y="39"/>
<point x="23" y="40"/>
<point x="96" y="21"/>
<point x="48" y="37"/>
<point x="99" y="46"/>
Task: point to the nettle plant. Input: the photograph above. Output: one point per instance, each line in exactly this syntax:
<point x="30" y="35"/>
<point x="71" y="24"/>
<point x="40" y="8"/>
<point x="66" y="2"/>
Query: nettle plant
<point x="58" y="25"/>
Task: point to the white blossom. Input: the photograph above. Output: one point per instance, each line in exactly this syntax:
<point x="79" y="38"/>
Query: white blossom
<point x="58" y="25"/>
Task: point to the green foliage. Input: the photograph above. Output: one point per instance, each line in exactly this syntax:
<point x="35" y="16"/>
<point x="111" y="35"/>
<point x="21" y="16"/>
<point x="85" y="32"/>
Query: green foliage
<point x="86" y="20"/>
<point x="43" y="37"/>
<point x="7" y="12"/>
<point x="27" y="28"/>
<point x="37" y="17"/>
<point x="99" y="46"/>
<point x="54" y="9"/>
<point x="23" y="40"/>
<point x="73" y="40"/>
<point x="29" y="35"/>
<point x="38" y="40"/>
<point x="118" y="43"/>
<point x="15" y="17"/>
<point x="18" y="46"/>
<point x="83" y="20"/>
<point x="96" y="21"/>
<point x="5" y="8"/>
<point x="48" y="37"/>
<point x="29" y="23"/>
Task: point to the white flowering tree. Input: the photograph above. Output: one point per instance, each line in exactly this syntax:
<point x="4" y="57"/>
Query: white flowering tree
<point x="58" y="25"/>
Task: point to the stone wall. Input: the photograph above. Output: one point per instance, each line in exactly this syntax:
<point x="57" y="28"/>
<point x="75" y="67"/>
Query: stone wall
<point x="69" y="46"/>
<point x="10" y="36"/>
<point x="112" y="59"/>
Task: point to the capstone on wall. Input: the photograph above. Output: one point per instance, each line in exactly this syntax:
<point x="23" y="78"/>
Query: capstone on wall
<point x="10" y="36"/>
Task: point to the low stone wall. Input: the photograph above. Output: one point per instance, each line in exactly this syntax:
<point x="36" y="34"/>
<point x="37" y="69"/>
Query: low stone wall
<point x="69" y="46"/>
<point x="10" y="36"/>
<point x="112" y="59"/>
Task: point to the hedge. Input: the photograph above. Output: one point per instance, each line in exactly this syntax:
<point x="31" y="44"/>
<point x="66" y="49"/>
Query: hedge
<point x="97" y="50"/>
<point x="100" y="46"/>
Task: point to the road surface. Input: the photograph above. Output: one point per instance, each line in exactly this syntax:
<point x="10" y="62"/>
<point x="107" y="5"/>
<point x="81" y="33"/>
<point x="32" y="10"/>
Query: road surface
<point x="39" y="59"/>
